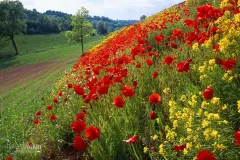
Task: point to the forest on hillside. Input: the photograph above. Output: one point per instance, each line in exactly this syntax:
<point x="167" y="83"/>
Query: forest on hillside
<point x="55" y="21"/>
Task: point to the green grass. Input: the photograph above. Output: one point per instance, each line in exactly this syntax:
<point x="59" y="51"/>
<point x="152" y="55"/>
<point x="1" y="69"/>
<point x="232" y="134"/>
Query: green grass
<point x="51" y="50"/>
<point x="34" y="43"/>
<point x="18" y="105"/>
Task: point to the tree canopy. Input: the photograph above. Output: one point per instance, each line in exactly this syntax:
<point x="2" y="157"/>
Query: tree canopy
<point x="12" y="20"/>
<point x="82" y="28"/>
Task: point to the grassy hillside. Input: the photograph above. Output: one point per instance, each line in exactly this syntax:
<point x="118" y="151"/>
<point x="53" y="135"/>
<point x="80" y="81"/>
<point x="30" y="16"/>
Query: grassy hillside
<point x="43" y="48"/>
<point x="166" y="88"/>
<point x="18" y="103"/>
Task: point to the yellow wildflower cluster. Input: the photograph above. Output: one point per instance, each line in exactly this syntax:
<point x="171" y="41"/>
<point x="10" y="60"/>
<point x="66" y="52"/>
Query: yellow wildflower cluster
<point x="228" y="77"/>
<point x="195" y="47"/>
<point x="238" y="105"/>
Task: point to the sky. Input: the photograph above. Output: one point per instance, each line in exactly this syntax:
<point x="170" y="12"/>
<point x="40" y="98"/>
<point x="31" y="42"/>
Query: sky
<point x="114" y="9"/>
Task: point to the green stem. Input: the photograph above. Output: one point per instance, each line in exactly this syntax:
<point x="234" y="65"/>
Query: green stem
<point x="164" y="157"/>
<point x="135" y="153"/>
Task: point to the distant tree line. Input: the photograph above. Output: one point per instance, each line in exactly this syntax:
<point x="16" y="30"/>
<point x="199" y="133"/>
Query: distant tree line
<point x="55" y="21"/>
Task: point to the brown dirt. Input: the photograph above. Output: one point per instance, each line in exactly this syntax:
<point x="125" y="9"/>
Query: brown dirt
<point x="13" y="77"/>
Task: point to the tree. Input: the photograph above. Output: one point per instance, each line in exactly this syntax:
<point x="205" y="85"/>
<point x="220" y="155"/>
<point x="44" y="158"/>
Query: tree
<point x="82" y="28"/>
<point x="143" y="17"/>
<point x="12" y="20"/>
<point x="102" y="27"/>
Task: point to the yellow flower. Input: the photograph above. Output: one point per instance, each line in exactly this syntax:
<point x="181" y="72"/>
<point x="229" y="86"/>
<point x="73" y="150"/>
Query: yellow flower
<point x="185" y="151"/>
<point x="224" y="107"/>
<point x="189" y="146"/>
<point x="206" y="133"/>
<point x="205" y="123"/>
<point x="212" y="116"/>
<point x="238" y="104"/>
<point x="201" y="69"/>
<point x="189" y="130"/>
<point x="225" y="121"/>
<point x="215" y="100"/>
<point x="183" y="98"/>
<point x="204" y="104"/>
<point x="230" y="79"/>
<point x="166" y="90"/>
<point x="212" y="62"/>
<point x="214" y="133"/>
<point x="155" y="137"/>
<point x="145" y="149"/>
<point x="195" y="47"/>
<point x="224" y="43"/>
<point x="161" y="149"/>
<point x="175" y="124"/>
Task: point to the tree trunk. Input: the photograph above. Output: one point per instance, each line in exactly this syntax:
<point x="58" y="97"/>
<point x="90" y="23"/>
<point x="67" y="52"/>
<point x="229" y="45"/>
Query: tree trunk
<point x="82" y="46"/>
<point x="15" y="46"/>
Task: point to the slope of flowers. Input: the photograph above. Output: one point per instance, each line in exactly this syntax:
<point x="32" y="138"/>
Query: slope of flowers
<point x="166" y="88"/>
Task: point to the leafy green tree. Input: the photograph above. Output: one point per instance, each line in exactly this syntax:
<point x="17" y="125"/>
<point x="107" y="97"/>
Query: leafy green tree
<point x="82" y="28"/>
<point x="102" y="27"/>
<point x="12" y="20"/>
<point x="143" y="17"/>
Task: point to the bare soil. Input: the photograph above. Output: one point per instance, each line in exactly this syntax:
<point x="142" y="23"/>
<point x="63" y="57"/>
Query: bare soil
<point x="13" y="77"/>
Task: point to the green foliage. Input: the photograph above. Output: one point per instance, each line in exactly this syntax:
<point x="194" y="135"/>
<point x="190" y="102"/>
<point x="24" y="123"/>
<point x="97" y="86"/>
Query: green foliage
<point x="12" y="20"/>
<point x="81" y="27"/>
<point x="143" y="17"/>
<point x="102" y="27"/>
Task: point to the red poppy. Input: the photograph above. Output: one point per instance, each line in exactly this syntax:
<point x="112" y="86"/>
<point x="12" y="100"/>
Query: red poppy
<point x="189" y="23"/>
<point x="174" y="45"/>
<point x="229" y="64"/>
<point x="38" y="113"/>
<point x="53" y="118"/>
<point x="9" y="158"/>
<point x="60" y="94"/>
<point x="132" y="139"/>
<point x="92" y="133"/>
<point x="216" y="48"/>
<point x="69" y="85"/>
<point x="55" y="100"/>
<point x="30" y="144"/>
<point x="208" y="93"/>
<point x="177" y="32"/>
<point x="154" y="98"/>
<point x="149" y="48"/>
<point x="168" y="60"/>
<point x="184" y="66"/>
<point x="36" y="121"/>
<point x="65" y="99"/>
<point x="118" y="102"/>
<point x="127" y="91"/>
<point x="152" y="115"/>
<point x="205" y="155"/>
<point x="107" y="80"/>
<point x="237" y="137"/>
<point x="78" y="127"/>
<point x="179" y="148"/>
<point x="149" y="62"/>
<point x="159" y="39"/>
<point x="155" y="74"/>
<point x="141" y="41"/>
<point x="138" y="65"/>
<point x="103" y="90"/>
<point x="80" y="117"/>
<point x="79" y="143"/>
<point x="135" y="84"/>
<point x="78" y="90"/>
<point x="49" y="108"/>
